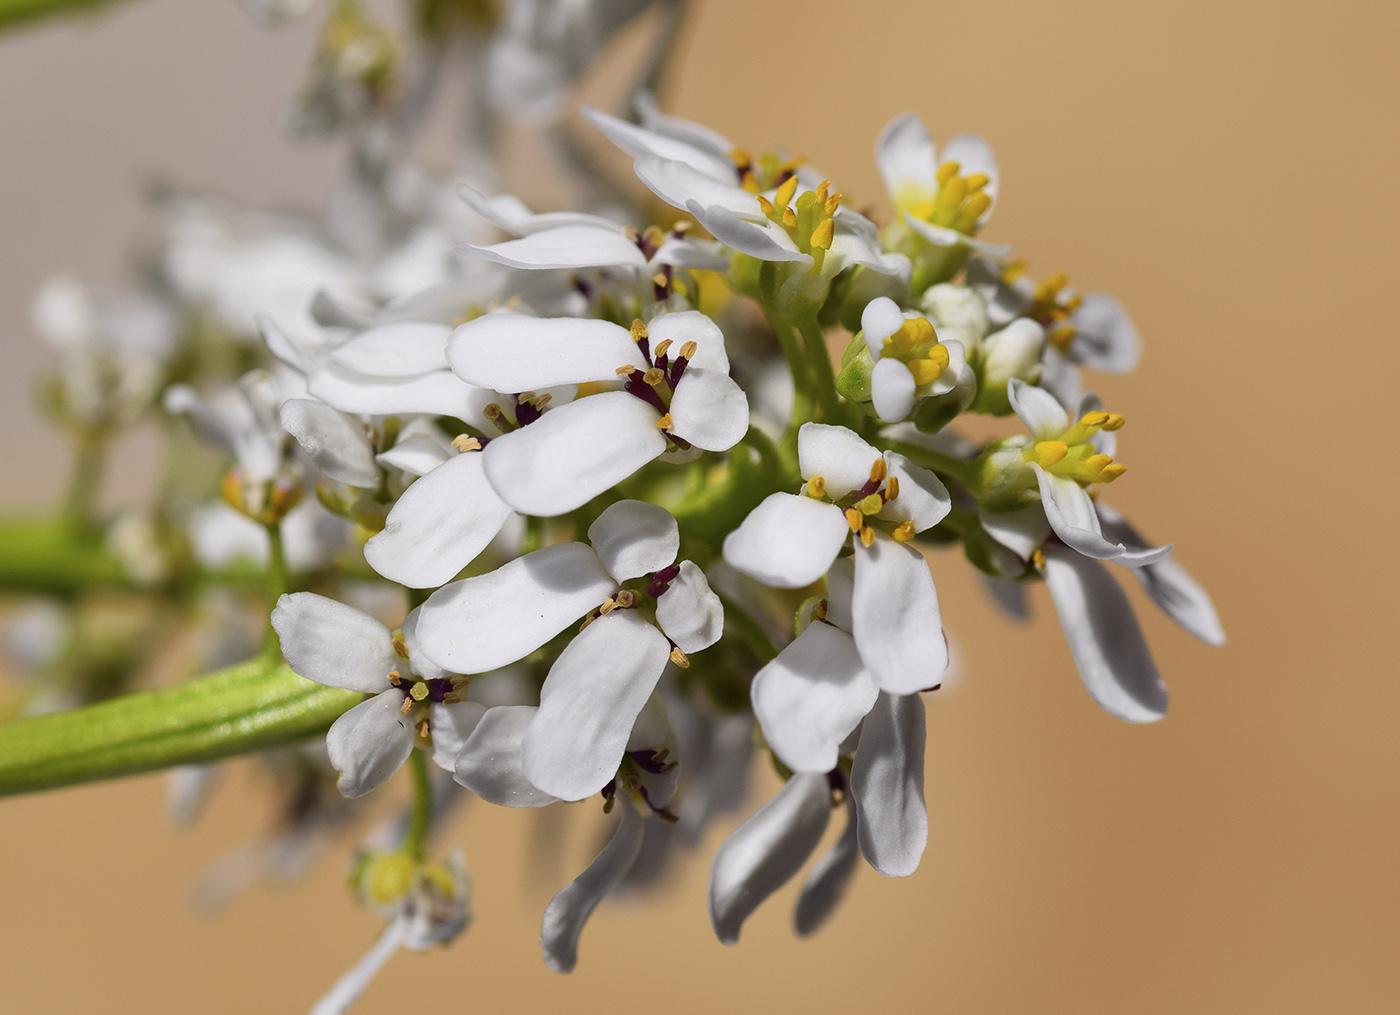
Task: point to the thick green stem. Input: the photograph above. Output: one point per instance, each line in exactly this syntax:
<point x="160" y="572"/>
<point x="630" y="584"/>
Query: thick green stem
<point x="276" y="587"/>
<point x="249" y="707"/>
<point x="51" y="556"/>
<point x="14" y="12"/>
<point x="420" y="819"/>
<point x="823" y="377"/>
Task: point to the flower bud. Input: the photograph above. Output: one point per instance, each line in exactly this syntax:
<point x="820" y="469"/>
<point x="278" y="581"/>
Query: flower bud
<point x="1013" y="353"/>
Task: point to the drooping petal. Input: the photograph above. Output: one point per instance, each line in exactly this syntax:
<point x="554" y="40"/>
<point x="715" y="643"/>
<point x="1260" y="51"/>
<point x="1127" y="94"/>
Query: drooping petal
<point x="887" y="783"/>
<point x="1070" y="511"/>
<point x="892" y="390"/>
<point x="835" y="454"/>
<point x="895" y="618"/>
<point x="336" y="444"/>
<point x="489" y="762"/>
<point x="828" y="879"/>
<point x="923" y="499"/>
<point x="856" y="240"/>
<point x="763" y="240"/>
<point x="974" y="155"/>
<point x="589" y="702"/>
<point x="420" y="448"/>
<point x="810" y="698"/>
<point x="637" y="141"/>
<point x="680" y="327"/>
<point x="766" y="850"/>
<point x="573" y="453"/>
<point x="511" y="214"/>
<point x="1020" y="531"/>
<point x="787" y="541"/>
<point x="1010" y="596"/>
<point x="1168" y="584"/>
<point x="1105" y="338"/>
<point x="907" y="158"/>
<point x="694" y="134"/>
<point x="369" y="743"/>
<point x="451" y="727"/>
<point x="516" y="352"/>
<point x="438" y="525"/>
<point x="709" y="410"/>
<point x="1043" y="415"/>
<point x="440" y="393"/>
<point x="680" y="185"/>
<point x="483" y="623"/>
<point x="334" y="644"/>
<point x="942" y="236"/>
<point x="689" y="612"/>
<point x="633" y="538"/>
<point x="565" y="246"/>
<point x="570" y="909"/>
<point x="1104" y="637"/>
<point x="399" y="349"/>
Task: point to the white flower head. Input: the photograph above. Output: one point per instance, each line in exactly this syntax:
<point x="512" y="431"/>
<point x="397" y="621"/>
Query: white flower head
<point x="910" y="360"/>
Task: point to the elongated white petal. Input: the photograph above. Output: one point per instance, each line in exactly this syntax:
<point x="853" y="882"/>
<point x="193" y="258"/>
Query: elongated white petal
<point x="694" y="134"/>
<point x="565" y="246"/>
<point x="633" y="538"/>
<point x="835" y="454"/>
<point x="1070" y="511"/>
<point x="483" y="623"/>
<point x="810" y="698"/>
<point x="827" y="881"/>
<point x="1104" y="637"/>
<point x="787" y="541"/>
<point x="766" y="850"/>
<point x="689" y="612"/>
<point x="516" y="352"/>
<point x="573" y="453"/>
<point x="418" y="662"/>
<point x="680" y="185"/>
<point x="570" y="909"/>
<point x="637" y="141"/>
<point x="680" y="327"/>
<point x="348" y="988"/>
<point x="368" y="743"/>
<point x="1168" y="584"/>
<point x="762" y="240"/>
<point x="1105" y="338"/>
<point x="511" y="214"/>
<point x="907" y="159"/>
<point x="1044" y="417"/>
<point x="695" y="254"/>
<point x="400" y="349"/>
<point x="416" y="453"/>
<point x="451" y="727"/>
<point x="439" y="393"/>
<point x="336" y="444"/>
<point x="892" y="390"/>
<point x="334" y="644"/>
<point x="942" y="236"/>
<point x="489" y="762"/>
<point x="589" y="702"/>
<point x="439" y="525"/>
<point x="974" y="155"/>
<point x="923" y="499"/>
<point x="887" y="782"/>
<point x="895" y="618"/>
<point x="1020" y="531"/>
<point x="709" y="410"/>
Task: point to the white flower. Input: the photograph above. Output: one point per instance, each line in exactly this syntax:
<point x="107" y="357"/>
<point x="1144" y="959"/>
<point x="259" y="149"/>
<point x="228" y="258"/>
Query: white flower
<point x="599" y="683"/>
<point x="339" y="646"/>
<point x="677" y="394"/>
<point x="911" y="362"/>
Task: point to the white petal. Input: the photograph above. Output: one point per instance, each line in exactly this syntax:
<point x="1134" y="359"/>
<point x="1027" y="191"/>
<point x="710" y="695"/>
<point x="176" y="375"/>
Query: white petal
<point x="856" y="240"/>
<point x="1020" y="531"/>
<point x="1169" y="584"/>
<point x="767" y="850"/>
<point x="416" y="453"/>
<point x="569" y="910"/>
<point x="401" y="349"/>
<point x="418" y="662"/>
<point x="887" y="783"/>
<point x="698" y="255"/>
<point x="1070" y="511"/>
<point x="489" y="764"/>
<point x="695" y="134"/>
<point x="892" y="390"/>
<point x="1038" y="409"/>
<point x="566" y="246"/>
<point x="1105" y="337"/>
<point x="483" y="623"/>
<point x="691" y="326"/>
<point x="942" y="236"/>
<point x="880" y="319"/>
<point x="826" y="883"/>
<point x="950" y="375"/>
<point x="336" y="444"/>
<point x="348" y="988"/>
<point x="334" y="644"/>
<point x="511" y="214"/>
<point x="439" y="525"/>
<point x="787" y="541"/>
<point x="923" y="499"/>
<point x="974" y="155"/>
<point x="1104" y="637"/>
<point x="633" y="538"/>
<point x="810" y="698"/>
<point x="689" y="612"/>
<point x="895" y="618"/>
<point x="835" y="454"/>
<point x="906" y="156"/>
<point x="765" y="240"/>
<point x="439" y="393"/>
<point x="709" y="410"/>
<point x="368" y="743"/>
<point x="840" y="584"/>
<point x="515" y="352"/>
<point x="451" y="727"/>
<point x="679" y="185"/>
<point x="637" y="141"/>
<point x="589" y="702"/>
<point x="573" y="453"/>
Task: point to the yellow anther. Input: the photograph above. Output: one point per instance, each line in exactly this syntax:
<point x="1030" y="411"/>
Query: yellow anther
<point x="526" y="396"/>
<point x="586" y="621"/>
<point x="1038" y="558"/>
<point x="1115" y="421"/>
<point x="976" y="181"/>
<point x="816" y="488"/>
<point x="654" y="236"/>
<point x="867" y="537"/>
<point x="912" y="333"/>
<point x="855" y="519"/>
<point x="927" y="370"/>
<point x="662" y="347"/>
<point x="1097" y="463"/>
<point x="608" y="606"/>
<point x="639" y="330"/>
<point x="450" y="698"/>
<point x="870" y="505"/>
<point x="832" y="203"/>
<point x="819" y="611"/>
<point x="789" y="218"/>
<point x="678" y="657"/>
<point x="953" y="192"/>
<point x="418" y="691"/>
<point x="976" y="204"/>
<point x="1049" y="452"/>
<point x="394" y="676"/>
<point x="1072" y="304"/>
<point x="681" y="226"/>
<point x="824" y="234"/>
<point x="903" y="532"/>
<point x="1053" y="284"/>
<point x="541" y="400"/>
<point x="891" y="490"/>
<point x="630" y="232"/>
<point x="492" y="412"/>
<point x="1012" y="270"/>
<point x="878" y="470"/>
<point x="688" y="351"/>
<point x="459" y="682"/>
<point x="750" y="183"/>
<point x="765" y="205"/>
<point x="947" y="171"/>
<point x="626" y="599"/>
<point x="1112" y="472"/>
<point x="822" y="189"/>
<point x="424" y="728"/>
<point x="784" y="193"/>
<point x="1096" y="419"/>
<point x="660" y="279"/>
<point x="400" y="650"/>
<point x="466" y="442"/>
<point x="654" y="376"/>
<point x="665" y="422"/>
<point x="741" y="158"/>
<point x="625" y="371"/>
<point x="1062" y="337"/>
<point x="406" y="707"/>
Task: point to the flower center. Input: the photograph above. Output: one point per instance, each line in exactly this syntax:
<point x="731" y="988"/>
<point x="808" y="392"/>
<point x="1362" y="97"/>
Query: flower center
<point x="809" y="220"/>
<point x="627" y="598"/>
<point x="862" y="505"/>
<point x="656" y="385"/>
<point x="958" y="203"/>
<point x="438" y="690"/>
<point x="768" y="172"/>
<point x="1051" y="305"/>
<point x="1073" y="457"/>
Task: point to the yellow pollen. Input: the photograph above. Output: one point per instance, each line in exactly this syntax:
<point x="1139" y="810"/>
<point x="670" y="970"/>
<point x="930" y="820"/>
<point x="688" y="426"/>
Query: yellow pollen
<point x="891" y="488"/>
<point x="926" y="371"/>
<point x="976" y="204"/>
<point x="819" y="611"/>
<point x="1114" y="422"/>
<point x="1062" y="337"/>
<point x="1072" y="304"/>
<point x="450" y="698"/>
<point x="424" y="728"/>
<point x="822" y="189"/>
<point x="1112" y="472"/>
<point x="625" y="371"/>
<point x="855" y="519"/>
<point x="660" y="279"/>
<point x="665" y="422"/>
<point x="540" y="401"/>
<point x="947" y="171"/>
<point x="870" y="505"/>
<point x="789" y="218"/>
<point x="663" y="347"/>
<point x="654" y="376"/>
<point x="1097" y="463"/>
<point x="976" y="181"/>
<point x="466" y="442"/>
<point x="954" y="191"/>
<point x="1093" y="419"/>
<point x="688" y="351"/>
<point x="878" y="470"/>
<point x="867" y="537"/>
<point x="639" y="330"/>
<point x="678" y="657"/>
<point x="1050" y="452"/>
<point x="832" y="203"/>
<point x="903" y="532"/>
<point x="400" y="647"/>
<point x="1012" y="270"/>
<point x="418" y="691"/>
<point x="681" y="226"/>
<point x="784" y="193"/>
<point x="1038" y="558"/>
<point x="824" y="234"/>
<point x="394" y="677"/>
<point x="741" y="158"/>
<point x="766" y="206"/>
<point x="586" y="621"/>
<point x="750" y="183"/>
<point x="626" y="599"/>
<point x="406" y="707"/>
<point x="654" y="236"/>
<point x="607" y="607"/>
<point x="816" y="488"/>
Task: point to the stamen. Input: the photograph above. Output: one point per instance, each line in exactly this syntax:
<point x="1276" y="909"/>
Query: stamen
<point x="832" y="203"/>
<point x="789" y="218"/>
<point x="665" y="422"/>
<point x="465" y="442"/>
<point x="855" y="519"/>
<point x="785" y="192"/>
<point x="819" y="611"/>
<point x="878" y="470"/>
<point x="1112" y="472"/>
<point x="976" y="181"/>
<point x="1097" y="463"/>
<point x="394" y="677"/>
<point x="947" y="171"/>
<point x="1114" y="422"/>
<point x="418" y="691"/>
<point x="662" y="347"/>
<point x="822" y="189"/>
<point x="1062" y="337"/>
<point x="976" y="204"/>
<point x="824" y="234"/>
<point x="1038" y="558"/>
<point x="626" y="599"/>
<point x="867" y="537"/>
<point x="678" y="657"/>
<point x="816" y="488"/>
<point x="870" y="505"/>
<point x="626" y="371"/>
<point x="766" y="206"/>
<point x="607" y="607"/>
<point x="688" y="350"/>
<point x="891" y="488"/>
<point x="660" y="279"/>
<point x="406" y="707"/>
<point x="400" y="646"/>
<point x="904" y="531"/>
<point x="1049" y="452"/>
<point x="1096" y="419"/>
<point x="639" y="330"/>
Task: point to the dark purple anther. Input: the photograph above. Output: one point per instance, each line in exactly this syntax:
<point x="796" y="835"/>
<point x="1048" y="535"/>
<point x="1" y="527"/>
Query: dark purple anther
<point x="662" y="580"/>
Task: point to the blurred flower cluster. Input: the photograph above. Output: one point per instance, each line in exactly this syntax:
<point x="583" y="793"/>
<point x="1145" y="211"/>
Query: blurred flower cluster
<point x="593" y="504"/>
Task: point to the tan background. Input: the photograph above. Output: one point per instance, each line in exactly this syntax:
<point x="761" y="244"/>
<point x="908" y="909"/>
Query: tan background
<point x="1229" y="169"/>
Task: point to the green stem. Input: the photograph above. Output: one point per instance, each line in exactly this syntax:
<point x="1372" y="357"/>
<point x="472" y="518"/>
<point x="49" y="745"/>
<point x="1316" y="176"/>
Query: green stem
<point x="249" y="707"/>
<point x="276" y="587"/>
<point x="80" y="507"/>
<point x="801" y="381"/>
<point x="931" y="459"/>
<point x="822" y="374"/>
<point x="421" y="818"/>
<point x="14" y="12"/>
